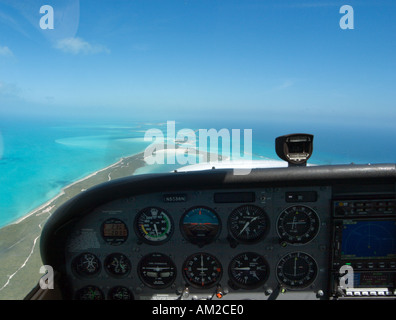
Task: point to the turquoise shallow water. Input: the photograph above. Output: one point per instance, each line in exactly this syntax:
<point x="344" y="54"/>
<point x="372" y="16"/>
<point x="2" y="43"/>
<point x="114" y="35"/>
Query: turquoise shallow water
<point x="39" y="158"/>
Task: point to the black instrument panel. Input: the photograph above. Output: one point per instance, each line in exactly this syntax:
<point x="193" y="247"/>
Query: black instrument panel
<point x="158" y="248"/>
<point x="259" y="240"/>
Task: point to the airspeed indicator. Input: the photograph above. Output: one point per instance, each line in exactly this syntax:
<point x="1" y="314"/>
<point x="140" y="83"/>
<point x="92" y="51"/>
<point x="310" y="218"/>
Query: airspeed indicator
<point x="153" y="225"/>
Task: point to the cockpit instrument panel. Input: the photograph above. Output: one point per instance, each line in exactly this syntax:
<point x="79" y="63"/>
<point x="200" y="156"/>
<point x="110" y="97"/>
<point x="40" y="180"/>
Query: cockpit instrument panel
<point x="272" y="235"/>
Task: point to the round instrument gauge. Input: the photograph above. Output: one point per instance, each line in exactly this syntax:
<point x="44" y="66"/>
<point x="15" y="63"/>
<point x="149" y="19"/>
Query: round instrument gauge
<point x="117" y="265"/>
<point x="153" y="225"/>
<point x="157" y="270"/>
<point x="202" y="270"/>
<point x="200" y="225"/>
<point x="120" y="293"/>
<point x="298" y="225"/>
<point x="86" y="264"/>
<point x="114" y="231"/>
<point x="89" y="293"/>
<point x="296" y="270"/>
<point x="248" y="224"/>
<point x="248" y="270"/>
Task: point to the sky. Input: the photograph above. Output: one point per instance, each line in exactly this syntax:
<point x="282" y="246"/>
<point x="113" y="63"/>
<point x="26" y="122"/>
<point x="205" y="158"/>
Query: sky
<point x="163" y="59"/>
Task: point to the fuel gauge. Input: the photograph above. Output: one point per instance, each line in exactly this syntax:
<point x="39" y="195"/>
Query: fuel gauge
<point x="117" y="265"/>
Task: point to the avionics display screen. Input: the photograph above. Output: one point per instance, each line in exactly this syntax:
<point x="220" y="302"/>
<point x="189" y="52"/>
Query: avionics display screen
<point x="374" y="280"/>
<point x="368" y="239"/>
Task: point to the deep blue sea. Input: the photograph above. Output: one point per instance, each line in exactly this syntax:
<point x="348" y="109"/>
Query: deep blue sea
<point x="40" y="157"/>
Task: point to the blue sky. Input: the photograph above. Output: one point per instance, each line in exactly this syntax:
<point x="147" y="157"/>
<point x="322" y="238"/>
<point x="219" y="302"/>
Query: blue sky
<point x="198" y="58"/>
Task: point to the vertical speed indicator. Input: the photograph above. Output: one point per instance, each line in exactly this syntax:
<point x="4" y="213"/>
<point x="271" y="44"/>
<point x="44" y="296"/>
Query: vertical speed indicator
<point x="248" y="270"/>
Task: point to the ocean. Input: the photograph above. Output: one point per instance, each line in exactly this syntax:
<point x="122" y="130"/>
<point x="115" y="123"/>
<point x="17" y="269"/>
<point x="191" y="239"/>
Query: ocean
<point x="38" y="158"/>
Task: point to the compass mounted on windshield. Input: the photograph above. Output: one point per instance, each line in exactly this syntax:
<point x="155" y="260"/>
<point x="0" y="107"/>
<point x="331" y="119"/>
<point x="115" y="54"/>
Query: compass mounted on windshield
<point x="295" y="148"/>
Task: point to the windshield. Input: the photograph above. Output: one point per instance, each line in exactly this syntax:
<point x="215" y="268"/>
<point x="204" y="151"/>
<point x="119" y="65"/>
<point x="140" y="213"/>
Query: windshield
<point x="91" y="91"/>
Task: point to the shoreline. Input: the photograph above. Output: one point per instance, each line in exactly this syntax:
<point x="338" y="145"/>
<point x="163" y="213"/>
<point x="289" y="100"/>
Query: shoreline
<point x="140" y="155"/>
<point x="62" y="192"/>
<point x="19" y="247"/>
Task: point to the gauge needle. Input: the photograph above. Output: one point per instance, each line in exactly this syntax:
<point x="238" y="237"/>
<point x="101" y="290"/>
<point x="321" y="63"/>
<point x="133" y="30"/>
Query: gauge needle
<point x="294" y="223"/>
<point x="247" y="224"/>
<point x="202" y="267"/>
<point x="242" y="268"/>
<point x="295" y="266"/>
<point x="156" y="230"/>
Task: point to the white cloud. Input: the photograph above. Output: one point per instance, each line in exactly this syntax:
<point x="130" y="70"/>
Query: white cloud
<point x="79" y="46"/>
<point x="6" y="52"/>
